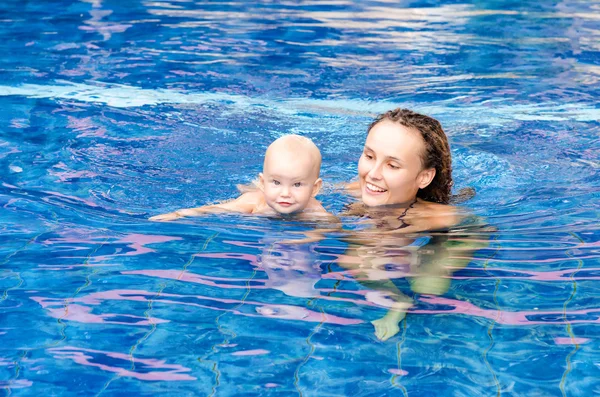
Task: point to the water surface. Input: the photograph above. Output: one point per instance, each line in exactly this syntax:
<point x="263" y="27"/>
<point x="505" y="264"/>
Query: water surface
<point x="116" y="111"/>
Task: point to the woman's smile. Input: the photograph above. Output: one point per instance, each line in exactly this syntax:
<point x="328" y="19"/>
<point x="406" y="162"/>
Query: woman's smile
<point x="374" y="189"/>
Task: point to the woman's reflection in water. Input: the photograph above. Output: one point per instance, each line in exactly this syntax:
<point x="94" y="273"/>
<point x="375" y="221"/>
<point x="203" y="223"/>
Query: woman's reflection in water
<point x="397" y="267"/>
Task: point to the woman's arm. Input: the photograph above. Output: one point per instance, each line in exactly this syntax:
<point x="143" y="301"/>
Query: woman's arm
<point x="352" y="188"/>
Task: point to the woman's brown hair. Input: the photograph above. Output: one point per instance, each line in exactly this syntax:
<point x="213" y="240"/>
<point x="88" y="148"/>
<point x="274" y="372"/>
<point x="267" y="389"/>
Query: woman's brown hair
<point x="436" y="154"/>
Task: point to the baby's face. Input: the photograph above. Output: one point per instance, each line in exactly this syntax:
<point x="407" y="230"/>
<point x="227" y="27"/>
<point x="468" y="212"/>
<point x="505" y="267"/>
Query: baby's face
<point x="289" y="181"/>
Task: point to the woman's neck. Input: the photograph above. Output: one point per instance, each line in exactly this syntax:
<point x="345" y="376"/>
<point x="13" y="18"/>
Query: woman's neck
<point x="390" y="209"/>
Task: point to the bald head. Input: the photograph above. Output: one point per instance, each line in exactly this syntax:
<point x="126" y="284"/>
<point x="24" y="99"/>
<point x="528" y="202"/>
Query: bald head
<point x="290" y="178"/>
<point x="295" y="148"/>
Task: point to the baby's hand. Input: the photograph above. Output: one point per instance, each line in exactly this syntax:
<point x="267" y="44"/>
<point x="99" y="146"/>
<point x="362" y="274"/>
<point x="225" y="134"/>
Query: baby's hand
<point x="171" y="216"/>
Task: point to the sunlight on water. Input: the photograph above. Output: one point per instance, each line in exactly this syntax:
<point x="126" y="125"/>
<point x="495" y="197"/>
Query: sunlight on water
<point x="116" y="112"/>
<point x="126" y="96"/>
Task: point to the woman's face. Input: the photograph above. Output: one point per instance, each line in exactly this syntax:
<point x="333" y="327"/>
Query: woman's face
<point x="390" y="169"/>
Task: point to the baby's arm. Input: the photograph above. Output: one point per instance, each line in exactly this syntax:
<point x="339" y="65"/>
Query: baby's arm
<point x="244" y="204"/>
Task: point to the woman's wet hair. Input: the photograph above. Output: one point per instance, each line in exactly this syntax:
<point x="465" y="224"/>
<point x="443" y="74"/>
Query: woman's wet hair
<point x="436" y="154"/>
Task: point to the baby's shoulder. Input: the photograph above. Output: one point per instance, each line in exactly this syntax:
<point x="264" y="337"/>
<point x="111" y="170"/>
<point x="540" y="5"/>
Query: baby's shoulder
<point x="315" y="211"/>
<point x="252" y="197"/>
<point x="315" y="206"/>
<point x="248" y="187"/>
<point x="245" y="203"/>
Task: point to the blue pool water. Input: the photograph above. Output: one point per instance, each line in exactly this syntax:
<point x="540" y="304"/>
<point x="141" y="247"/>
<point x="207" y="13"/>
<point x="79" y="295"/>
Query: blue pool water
<point x="113" y="111"/>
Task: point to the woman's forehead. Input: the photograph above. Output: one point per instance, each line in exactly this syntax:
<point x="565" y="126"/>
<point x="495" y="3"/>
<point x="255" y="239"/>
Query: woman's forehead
<point x="394" y="140"/>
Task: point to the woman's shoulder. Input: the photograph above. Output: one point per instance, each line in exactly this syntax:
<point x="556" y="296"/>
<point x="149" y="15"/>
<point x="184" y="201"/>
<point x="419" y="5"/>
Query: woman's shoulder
<point x="434" y="216"/>
<point x="435" y="207"/>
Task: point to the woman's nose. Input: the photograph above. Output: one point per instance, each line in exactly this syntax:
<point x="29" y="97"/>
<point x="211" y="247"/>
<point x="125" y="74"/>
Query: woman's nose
<point x="375" y="172"/>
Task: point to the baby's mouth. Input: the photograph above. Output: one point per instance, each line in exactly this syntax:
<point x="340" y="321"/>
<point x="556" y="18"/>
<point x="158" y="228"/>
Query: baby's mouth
<point x="374" y="189"/>
<point x="284" y="203"/>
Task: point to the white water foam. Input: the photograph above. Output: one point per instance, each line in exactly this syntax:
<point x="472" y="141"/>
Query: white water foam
<point x="124" y="96"/>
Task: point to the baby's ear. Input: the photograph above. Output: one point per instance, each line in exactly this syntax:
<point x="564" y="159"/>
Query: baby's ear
<point x="317" y="187"/>
<point x="261" y="182"/>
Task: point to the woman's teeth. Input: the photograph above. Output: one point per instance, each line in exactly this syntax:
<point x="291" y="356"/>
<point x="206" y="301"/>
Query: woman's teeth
<point x="375" y="188"/>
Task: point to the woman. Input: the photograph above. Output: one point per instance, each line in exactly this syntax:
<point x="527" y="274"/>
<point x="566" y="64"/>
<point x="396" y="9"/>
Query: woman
<point x="404" y="184"/>
<point x="405" y="173"/>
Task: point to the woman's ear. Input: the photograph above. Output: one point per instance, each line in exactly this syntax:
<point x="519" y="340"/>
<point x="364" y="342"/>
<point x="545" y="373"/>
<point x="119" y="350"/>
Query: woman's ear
<point x="425" y="177"/>
<point x="261" y="182"/>
<point x="317" y="187"/>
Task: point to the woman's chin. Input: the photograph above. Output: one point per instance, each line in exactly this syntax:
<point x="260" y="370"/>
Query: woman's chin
<point x="372" y="200"/>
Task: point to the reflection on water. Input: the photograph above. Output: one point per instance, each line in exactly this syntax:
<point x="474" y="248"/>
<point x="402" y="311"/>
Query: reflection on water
<point x="114" y="112"/>
<point x="214" y="296"/>
<point x="291" y="269"/>
<point x="148" y="369"/>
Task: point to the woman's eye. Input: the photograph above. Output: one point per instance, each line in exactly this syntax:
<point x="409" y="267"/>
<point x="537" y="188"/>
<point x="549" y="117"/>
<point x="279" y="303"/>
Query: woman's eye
<point x="394" y="167"/>
<point x="368" y="156"/>
<point x="297" y="184"/>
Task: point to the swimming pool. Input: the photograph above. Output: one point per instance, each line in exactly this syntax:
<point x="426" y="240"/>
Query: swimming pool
<point x="115" y="111"/>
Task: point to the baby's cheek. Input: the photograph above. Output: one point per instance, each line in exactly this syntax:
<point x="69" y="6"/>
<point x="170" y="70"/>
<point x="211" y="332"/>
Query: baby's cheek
<point x="306" y="193"/>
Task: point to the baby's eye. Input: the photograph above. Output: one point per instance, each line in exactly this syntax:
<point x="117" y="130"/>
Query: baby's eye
<point x="298" y="184"/>
<point x="276" y="182"/>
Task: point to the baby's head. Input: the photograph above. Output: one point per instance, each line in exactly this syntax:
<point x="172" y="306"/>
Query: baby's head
<point x="290" y="176"/>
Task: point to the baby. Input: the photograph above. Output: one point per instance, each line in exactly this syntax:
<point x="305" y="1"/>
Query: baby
<point x="288" y="184"/>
